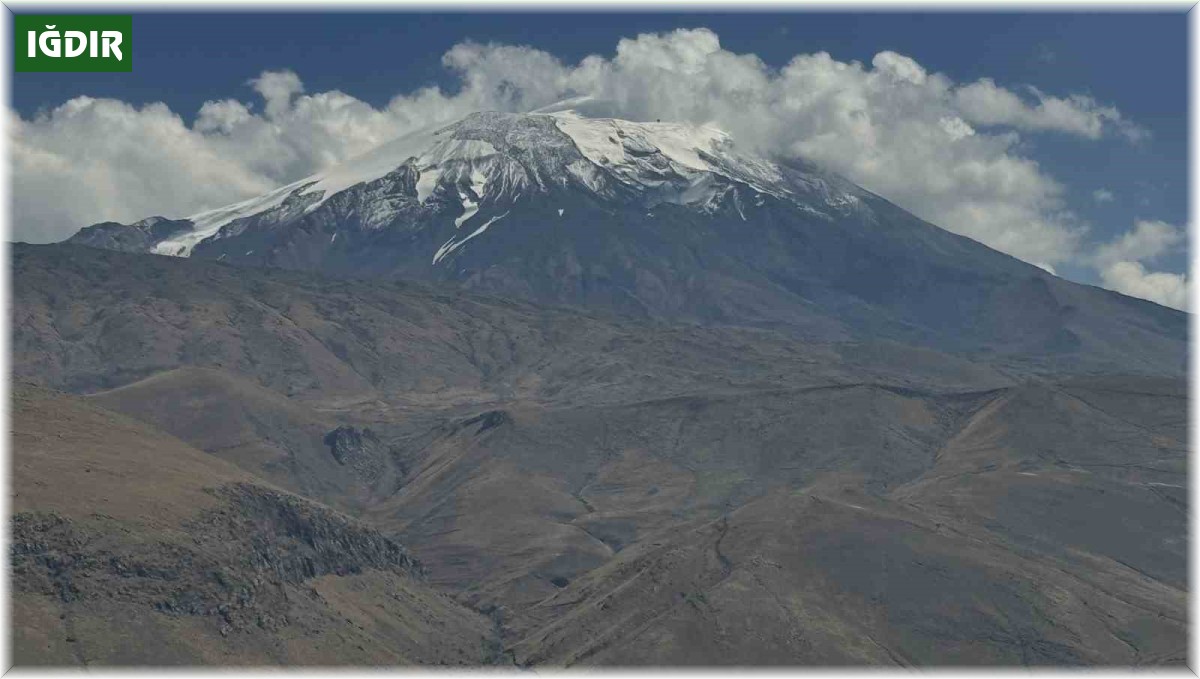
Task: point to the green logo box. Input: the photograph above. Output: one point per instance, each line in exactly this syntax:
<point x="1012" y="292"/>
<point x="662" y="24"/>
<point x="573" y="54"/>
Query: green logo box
<point x="61" y="43"/>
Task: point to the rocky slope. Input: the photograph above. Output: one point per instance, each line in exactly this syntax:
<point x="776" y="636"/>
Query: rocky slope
<point x="130" y="547"/>
<point x="621" y="491"/>
<point x="667" y="221"/>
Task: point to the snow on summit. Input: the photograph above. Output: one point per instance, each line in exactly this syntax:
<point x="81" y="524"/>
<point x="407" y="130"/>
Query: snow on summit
<point x="492" y="158"/>
<point x="608" y="141"/>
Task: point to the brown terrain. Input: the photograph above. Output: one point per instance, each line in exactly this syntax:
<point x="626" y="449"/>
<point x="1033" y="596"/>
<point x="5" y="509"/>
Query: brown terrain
<point x="220" y="465"/>
<point x="131" y="547"/>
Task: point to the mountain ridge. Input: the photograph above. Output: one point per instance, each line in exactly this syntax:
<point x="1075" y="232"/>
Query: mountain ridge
<point x="666" y="221"/>
<point x="606" y="489"/>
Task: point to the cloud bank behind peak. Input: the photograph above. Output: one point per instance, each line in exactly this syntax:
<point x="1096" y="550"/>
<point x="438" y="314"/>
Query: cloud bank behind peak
<point x="950" y="152"/>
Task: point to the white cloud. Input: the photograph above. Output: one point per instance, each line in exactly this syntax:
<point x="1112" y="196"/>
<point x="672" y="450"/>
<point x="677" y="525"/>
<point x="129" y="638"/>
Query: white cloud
<point x="1147" y="240"/>
<point x="983" y="102"/>
<point x="91" y="160"/>
<point x="951" y="153"/>
<point x="1131" y="278"/>
<point x="1102" y="196"/>
<point x="277" y="89"/>
<point x="899" y="67"/>
<point x="1121" y="264"/>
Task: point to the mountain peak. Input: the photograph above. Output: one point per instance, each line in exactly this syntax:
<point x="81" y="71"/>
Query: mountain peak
<point x="513" y="151"/>
<point x="661" y="219"/>
<point x="616" y="159"/>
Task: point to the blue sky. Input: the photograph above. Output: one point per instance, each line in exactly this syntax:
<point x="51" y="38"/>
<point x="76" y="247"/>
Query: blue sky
<point x="1136" y="63"/>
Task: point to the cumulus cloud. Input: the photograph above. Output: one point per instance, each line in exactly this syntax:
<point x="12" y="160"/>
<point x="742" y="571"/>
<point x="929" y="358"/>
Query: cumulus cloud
<point x="91" y="160"/>
<point x="1131" y="278"/>
<point x="950" y="152"/>
<point x="1147" y="240"/>
<point x="277" y="89"/>
<point x="1102" y="196"/>
<point x="1122" y="264"/>
<point x="985" y="103"/>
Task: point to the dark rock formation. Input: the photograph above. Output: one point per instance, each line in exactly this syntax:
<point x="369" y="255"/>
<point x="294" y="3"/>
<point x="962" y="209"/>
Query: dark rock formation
<point x="359" y="449"/>
<point x="137" y="237"/>
<point x="241" y="556"/>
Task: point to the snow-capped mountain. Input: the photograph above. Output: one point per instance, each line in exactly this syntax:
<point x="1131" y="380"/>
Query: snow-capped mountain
<point x="495" y="158"/>
<point x="662" y="219"/>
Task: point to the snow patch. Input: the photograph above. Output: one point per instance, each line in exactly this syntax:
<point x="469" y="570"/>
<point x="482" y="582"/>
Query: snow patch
<point x="447" y="149"/>
<point x="452" y="245"/>
<point x="478" y="182"/>
<point x="208" y="223"/>
<point x="587" y="174"/>
<point x="470" y="208"/>
<point x="610" y="141"/>
<point x="426" y="183"/>
<point x="470" y="201"/>
<point x="363" y="168"/>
